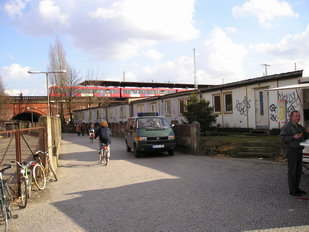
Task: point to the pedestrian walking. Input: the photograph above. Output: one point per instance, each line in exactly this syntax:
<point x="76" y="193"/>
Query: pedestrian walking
<point x="292" y="134"/>
<point x="78" y="129"/>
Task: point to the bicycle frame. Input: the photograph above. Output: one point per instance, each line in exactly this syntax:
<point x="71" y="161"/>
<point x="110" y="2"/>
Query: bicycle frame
<point x="5" y="200"/>
<point x="103" y="154"/>
<point x="46" y="165"/>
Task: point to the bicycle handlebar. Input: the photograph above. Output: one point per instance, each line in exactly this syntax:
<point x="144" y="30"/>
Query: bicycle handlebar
<point x="3" y="169"/>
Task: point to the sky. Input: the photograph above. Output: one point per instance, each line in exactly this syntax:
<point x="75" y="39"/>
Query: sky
<point x="177" y="41"/>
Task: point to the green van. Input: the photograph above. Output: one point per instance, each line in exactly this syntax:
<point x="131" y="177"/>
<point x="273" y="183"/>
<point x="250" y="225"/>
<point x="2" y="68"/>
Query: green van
<point x="149" y="132"/>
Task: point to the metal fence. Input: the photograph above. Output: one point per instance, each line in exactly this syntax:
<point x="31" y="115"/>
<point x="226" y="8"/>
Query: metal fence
<point x="20" y="145"/>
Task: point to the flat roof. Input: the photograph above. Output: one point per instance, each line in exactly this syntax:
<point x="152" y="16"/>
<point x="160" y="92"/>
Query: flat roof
<point x="141" y="84"/>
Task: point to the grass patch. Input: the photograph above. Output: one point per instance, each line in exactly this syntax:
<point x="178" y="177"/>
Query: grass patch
<point x="229" y="144"/>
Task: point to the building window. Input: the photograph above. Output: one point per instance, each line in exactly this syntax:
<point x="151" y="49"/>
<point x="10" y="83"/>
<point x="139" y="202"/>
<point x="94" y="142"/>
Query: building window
<point x="98" y="115"/>
<point x="89" y="115"/>
<point x="182" y="105"/>
<point x="122" y="112"/>
<point x="140" y="108"/>
<point x="228" y="103"/>
<point x="261" y="95"/>
<point x="110" y="113"/>
<point x="217" y="103"/>
<point x="153" y="107"/>
<point x="168" y="108"/>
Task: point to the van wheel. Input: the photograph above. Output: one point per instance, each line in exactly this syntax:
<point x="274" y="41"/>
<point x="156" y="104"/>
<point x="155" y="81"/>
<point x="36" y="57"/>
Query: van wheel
<point x="128" y="148"/>
<point x="171" y="152"/>
<point x="136" y="152"/>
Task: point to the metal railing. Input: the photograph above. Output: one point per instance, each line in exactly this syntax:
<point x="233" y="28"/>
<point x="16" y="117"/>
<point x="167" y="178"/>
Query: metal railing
<point x="20" y="145"/>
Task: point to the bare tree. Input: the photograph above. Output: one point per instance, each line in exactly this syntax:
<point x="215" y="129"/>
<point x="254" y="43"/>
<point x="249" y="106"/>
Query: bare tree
<point x="3" y="100"/>
<point x="65" y="81"/>
<point x="95" y="76"/>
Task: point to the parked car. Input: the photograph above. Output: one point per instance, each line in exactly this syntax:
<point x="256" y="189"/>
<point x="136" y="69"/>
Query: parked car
<point x="149" y="132"/>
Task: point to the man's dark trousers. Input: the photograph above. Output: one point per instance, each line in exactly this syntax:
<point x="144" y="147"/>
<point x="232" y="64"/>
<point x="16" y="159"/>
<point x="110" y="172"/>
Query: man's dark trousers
<point x="295" y="162"/>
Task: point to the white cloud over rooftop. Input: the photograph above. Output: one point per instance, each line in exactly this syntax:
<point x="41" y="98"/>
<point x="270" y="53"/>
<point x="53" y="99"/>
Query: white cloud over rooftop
<point x="265" y="10"/>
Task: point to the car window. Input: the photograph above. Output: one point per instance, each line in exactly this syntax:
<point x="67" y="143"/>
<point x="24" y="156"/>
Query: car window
<point x="143" y="123"/>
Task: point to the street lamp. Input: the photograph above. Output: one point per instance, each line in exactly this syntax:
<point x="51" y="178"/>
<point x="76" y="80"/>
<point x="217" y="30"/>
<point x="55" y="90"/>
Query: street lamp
<point x="56" y="101"/>
<point x="31" y="108"/>
<point x="47" y="89"/>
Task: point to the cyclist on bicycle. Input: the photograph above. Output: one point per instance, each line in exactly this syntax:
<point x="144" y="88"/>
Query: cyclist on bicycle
<point x="105" y="136"/>
<point x="91" y="130"/>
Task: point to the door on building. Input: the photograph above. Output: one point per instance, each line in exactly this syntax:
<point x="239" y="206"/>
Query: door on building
<point x="261" y="109"/>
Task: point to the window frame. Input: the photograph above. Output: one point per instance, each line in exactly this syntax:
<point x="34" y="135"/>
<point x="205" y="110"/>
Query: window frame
<point x="182" y="108"/>
<point x="214" y="96"/>
<point x="225" y="103"/>
<point x="168" y="111"/>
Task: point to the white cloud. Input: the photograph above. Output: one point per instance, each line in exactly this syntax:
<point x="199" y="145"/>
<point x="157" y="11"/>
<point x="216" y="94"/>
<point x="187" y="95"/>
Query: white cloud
<point x="15" y="7"/>
<point x="110" y="30"/>
<point x="221" y="57"/>
<point x="153" y="54"/>
<point x="51" y="12"/>
<point x="265" y="10"/>
<point x="291" y="46"/>
<point x="179" y="70"/>
<point x="14" y="72"/>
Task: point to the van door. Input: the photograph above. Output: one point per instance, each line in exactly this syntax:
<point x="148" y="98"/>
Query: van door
<point x="129" y="132"/>
<point x="261" y="109"/>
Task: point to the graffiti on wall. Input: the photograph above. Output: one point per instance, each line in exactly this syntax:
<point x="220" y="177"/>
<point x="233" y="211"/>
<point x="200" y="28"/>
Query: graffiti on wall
<point x="243" y="106"/>
<point x="291" y="101"/>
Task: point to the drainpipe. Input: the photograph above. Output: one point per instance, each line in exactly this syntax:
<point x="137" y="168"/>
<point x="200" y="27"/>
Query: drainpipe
<point x="248" y="110"/>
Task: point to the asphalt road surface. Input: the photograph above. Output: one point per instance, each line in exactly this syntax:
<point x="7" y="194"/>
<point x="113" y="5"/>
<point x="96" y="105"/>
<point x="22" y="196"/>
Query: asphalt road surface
<point x="162" y="193"/>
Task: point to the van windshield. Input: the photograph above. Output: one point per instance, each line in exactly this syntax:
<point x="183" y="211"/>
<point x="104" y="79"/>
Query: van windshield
<point x="152" y="123"/>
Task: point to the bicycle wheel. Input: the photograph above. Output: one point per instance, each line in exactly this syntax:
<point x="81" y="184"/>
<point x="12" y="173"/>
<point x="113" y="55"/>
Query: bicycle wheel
<point x="29" y="186"/>
<point x="104" y="159"/>
<point x="39" y="176"/>
<point x="52" y="170"/>
<point x="101" y="155"/>
<point x="23" y="193"/>
<point x="4" y="224"/>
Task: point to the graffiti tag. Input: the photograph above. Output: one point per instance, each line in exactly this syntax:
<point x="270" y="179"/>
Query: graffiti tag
<point x="243" y="107"/>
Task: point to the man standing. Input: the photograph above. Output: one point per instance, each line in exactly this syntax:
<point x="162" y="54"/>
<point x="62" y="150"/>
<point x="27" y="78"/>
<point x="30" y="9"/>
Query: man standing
<point x="292" y="134"/>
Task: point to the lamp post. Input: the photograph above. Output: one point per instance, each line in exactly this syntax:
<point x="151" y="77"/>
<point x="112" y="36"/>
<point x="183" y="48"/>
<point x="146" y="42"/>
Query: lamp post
<point x="47" y="89"/>
<point x="31" y="108"/>
<point x="56" y="101"/>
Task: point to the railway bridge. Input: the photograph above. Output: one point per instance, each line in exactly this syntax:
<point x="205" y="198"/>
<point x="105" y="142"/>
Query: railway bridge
<point x="26" y="108"/>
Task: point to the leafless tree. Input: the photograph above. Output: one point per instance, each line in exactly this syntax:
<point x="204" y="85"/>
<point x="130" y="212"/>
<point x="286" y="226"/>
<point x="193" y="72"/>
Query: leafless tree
<point x="3" y="100"/>
<point x="57" y="61"/>
<point x="95" y="76"/>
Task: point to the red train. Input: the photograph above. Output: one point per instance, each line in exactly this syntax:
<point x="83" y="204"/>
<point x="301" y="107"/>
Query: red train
<point x="113" y="92"/>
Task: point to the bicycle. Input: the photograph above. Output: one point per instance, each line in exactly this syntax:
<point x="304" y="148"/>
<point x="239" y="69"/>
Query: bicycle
<point x="103" y="154"/>
<point x="25" y="181"/>
<point x="40" y="172"/>
<point x="5" y="200"/>
<point x="91" y="136"/>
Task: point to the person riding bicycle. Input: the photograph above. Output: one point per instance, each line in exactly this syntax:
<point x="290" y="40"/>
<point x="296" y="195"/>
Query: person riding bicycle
<point x="105" y="136"/>
<point x="91" y="130"/>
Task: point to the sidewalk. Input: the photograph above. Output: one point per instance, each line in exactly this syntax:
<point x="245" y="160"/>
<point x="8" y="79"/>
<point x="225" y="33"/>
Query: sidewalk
<point x="161" y="193"/>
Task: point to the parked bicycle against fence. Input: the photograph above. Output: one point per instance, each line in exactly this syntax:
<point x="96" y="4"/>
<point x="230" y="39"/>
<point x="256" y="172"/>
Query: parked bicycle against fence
<point x="25" y="182"/>
<point x="5" y="201"/>
<point x="40" y="172"/>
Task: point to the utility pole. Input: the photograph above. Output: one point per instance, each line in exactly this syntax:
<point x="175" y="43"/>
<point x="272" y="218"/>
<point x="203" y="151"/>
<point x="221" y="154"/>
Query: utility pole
<point x="265" y="66"/>
<point x="124" y="76"/>
<point x="194" y="66"/>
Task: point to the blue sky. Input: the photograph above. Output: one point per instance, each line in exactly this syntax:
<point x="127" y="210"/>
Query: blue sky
<point x="153" y="40"/>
